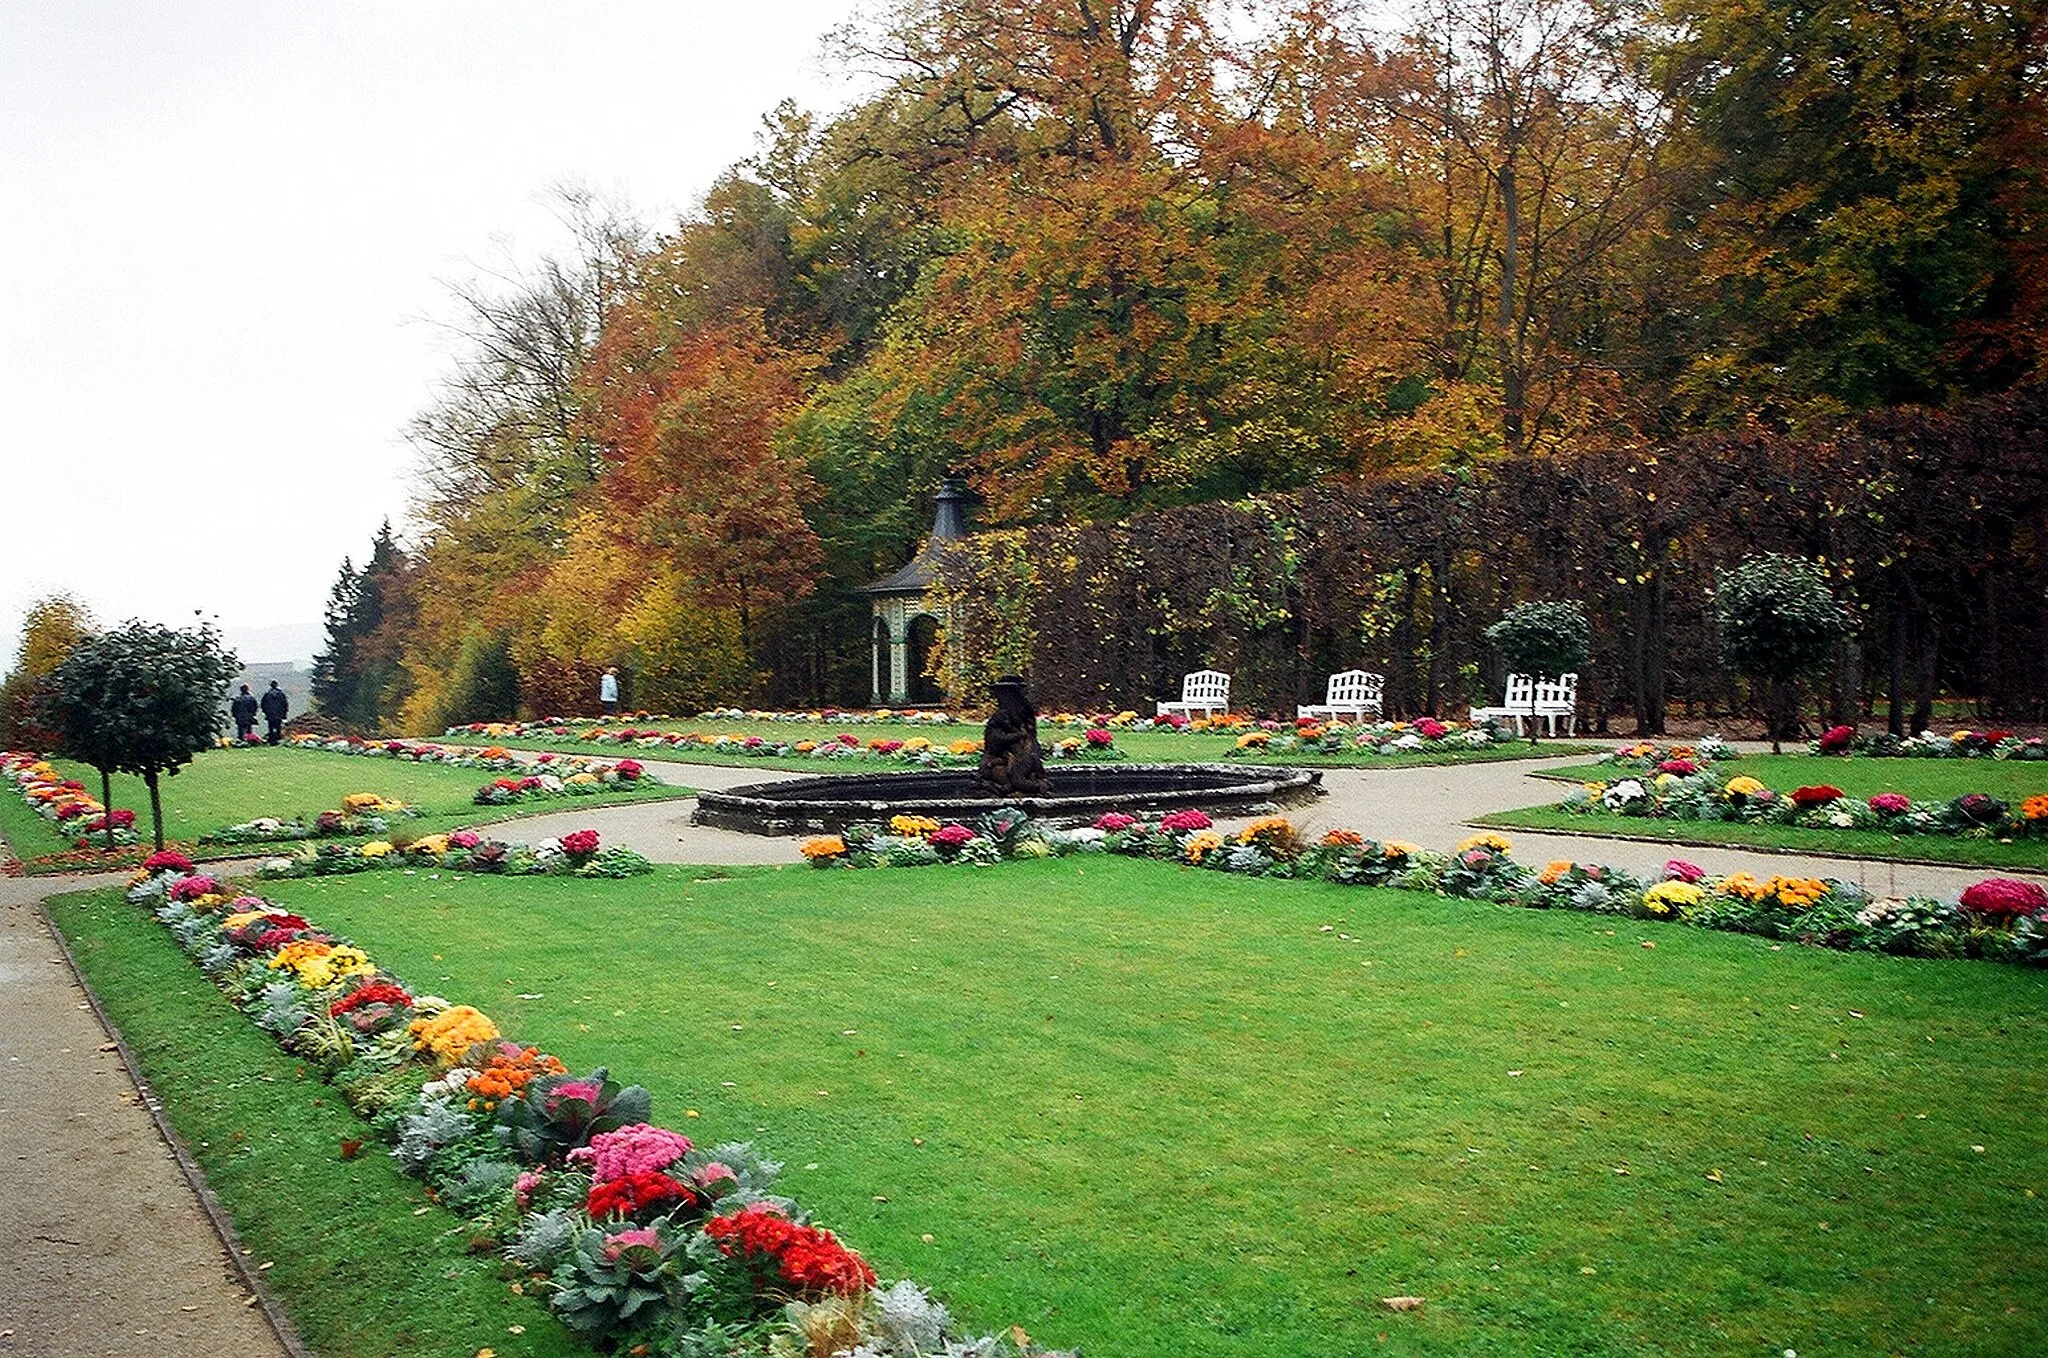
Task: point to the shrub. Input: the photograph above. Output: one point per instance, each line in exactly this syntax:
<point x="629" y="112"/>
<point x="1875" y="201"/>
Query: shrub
<point x="1779" y="622"/>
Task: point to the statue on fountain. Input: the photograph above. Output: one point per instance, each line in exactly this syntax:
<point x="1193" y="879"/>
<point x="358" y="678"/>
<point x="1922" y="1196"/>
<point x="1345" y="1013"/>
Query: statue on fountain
<point x="1012" y="765"/>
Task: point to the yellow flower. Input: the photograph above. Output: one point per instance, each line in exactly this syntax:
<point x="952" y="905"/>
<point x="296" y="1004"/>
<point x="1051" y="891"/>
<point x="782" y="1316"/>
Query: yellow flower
<point x="825" y="846"/>
<point x="806" y="746"/>
<point x="916" y="743"/>
<point x="1743" y="786"/>
<point x="1487" y="840"/>
<point x="1667" y="898"/>
<point x="1554" y="870"/>
<point x="361" y="801"/>
<point x="433" y="844"/>
<point x="1200" y="843"/>
<point x="583" y="779"/>
<point x="967" y="745"/>
<point x="1399" y="848"/>
<point x="1266" y="825"/>
<point x="1255" y="740"/>
<point x="376" y="848"/>
<point x="452" y="1032"/>
<point x="912" y="826"/>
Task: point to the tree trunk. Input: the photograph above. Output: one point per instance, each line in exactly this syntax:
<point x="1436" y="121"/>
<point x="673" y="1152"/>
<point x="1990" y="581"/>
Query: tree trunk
<point x="1512" y="386"/>
<point x="156" y="808"/>
<point x="1896" y="723"/>
<point x="107" y="804"/>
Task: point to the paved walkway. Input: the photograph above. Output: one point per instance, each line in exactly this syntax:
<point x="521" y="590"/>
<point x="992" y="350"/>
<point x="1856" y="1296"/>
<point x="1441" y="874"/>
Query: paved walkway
<point x="106" y="1249"/>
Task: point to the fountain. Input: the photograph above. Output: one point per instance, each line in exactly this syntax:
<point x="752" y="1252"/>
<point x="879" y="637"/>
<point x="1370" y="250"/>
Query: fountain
<point x="1012" y="773"/>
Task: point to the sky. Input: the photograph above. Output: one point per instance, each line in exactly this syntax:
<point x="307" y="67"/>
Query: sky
<point x="227" y="231"/>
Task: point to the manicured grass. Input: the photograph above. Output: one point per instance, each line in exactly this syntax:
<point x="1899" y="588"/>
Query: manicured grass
<point x="220" y="788"/>
<point x="360" y="1274"/>
<point x="1161" y="1112"/>
<point x="1921" y="779"/>
<point x="1145" y="747"/>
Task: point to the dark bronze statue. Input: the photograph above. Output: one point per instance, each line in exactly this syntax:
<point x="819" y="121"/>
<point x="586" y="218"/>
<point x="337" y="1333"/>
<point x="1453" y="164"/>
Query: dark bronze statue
<point x="1012" y="764"/>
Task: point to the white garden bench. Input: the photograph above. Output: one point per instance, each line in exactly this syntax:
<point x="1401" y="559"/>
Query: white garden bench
<point x="1547" y="701"/>
<point x="1354" y="693"/>
<point x="1204" y="691"/>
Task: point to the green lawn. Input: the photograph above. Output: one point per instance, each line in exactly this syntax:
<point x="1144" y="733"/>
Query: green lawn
<point x="1161" y="1112"/>
<point x="1150" y="747"/>
<point x="1921" y="779"/>
<point x="220" y="788"/>
<point x="359" y="1272"/>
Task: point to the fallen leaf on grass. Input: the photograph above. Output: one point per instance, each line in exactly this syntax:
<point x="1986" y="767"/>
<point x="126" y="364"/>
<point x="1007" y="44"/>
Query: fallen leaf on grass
<point x="1713" y="1176"/>
<point x="351" y="1147"/>
<point x="1402" y="1303"/>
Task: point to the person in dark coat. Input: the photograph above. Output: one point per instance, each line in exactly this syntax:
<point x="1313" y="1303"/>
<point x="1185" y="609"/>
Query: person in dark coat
<point x="275" y="706"/>
<point x="1012" y="764"/>
<point x="243" y="709"/>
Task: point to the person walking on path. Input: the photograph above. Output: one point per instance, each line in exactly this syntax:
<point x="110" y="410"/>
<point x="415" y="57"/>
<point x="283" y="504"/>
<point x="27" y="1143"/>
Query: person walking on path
<point x="275" y="706"/>
<point x="608" y="692"/>
<point x="243" y="710"/>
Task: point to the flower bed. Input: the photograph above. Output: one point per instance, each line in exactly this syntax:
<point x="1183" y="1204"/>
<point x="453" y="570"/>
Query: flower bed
<point x="1844" y="740"/>
<point x="2002" y="919"/>
<point x="411" y="751"/>
<point x="64" y="802"/>
<point x="575" y="778"/>
<point x="1095" y="744"/>
<point x="577" y="853"/>
<point x="1649" y="757"/>
<point x="1306" y="736"/>
<point x="360" y="813"/>
<point x="635" y="1236"/>
<point x="1703" y="797"/>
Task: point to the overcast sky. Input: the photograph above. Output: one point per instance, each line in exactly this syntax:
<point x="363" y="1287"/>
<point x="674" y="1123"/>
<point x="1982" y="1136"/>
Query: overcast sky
<point x="225" y="228"/>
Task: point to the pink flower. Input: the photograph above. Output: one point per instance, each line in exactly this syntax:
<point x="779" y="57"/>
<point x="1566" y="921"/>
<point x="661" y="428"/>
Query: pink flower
<point x="1678" y="870"/>
<point x="524" y="1186"/>
<point x="1681" y="767"/>
<point x="640" y="1238"/>
<point x="464" y="839"/>
<point x="639" y="1148"/>
<point x="715" y="1172"/>
<point x="1181" y="821"/>
<point x="1891" y="803"/>
<point x="1113" y="821"/>
<point x="951" y="836"/>
<point x="585" y="1091"/>
<point x="1432" y="729"/>
<point x="2004" y="898"/>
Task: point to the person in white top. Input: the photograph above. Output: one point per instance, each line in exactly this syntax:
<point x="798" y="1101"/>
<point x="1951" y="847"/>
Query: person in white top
<point x="608" y="692"/>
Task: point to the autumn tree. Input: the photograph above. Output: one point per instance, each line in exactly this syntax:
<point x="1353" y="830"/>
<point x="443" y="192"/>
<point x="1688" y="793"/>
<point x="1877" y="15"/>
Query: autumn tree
<point x="53" y="627"/>
<point x="1864" y="179"/>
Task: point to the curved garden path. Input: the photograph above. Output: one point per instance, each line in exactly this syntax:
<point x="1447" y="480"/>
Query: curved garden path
<point x="107" y="1248"/>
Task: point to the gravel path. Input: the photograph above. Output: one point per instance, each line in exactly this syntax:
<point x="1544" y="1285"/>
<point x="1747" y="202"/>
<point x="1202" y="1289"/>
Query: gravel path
<point x="106" y="1248"/>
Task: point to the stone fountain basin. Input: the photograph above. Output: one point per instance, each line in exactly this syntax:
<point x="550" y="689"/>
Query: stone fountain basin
<point x="829" y="804"/>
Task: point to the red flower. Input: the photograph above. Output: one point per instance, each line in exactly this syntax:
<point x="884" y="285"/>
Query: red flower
<point x="1100" y="738"/>
<point x="1815" y="796"/>
<point x="629" y="769"/>
<point x="167" y="860"/>
<point x="804" y="1257"/>
<point x="377" y="992"/>
<point x="2004" y="898"/>
<point x="1432" y="729"/>
<point x="1837" y="739"/>
<point x="637" y="1193"/>
<point x="580" y="843"/>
